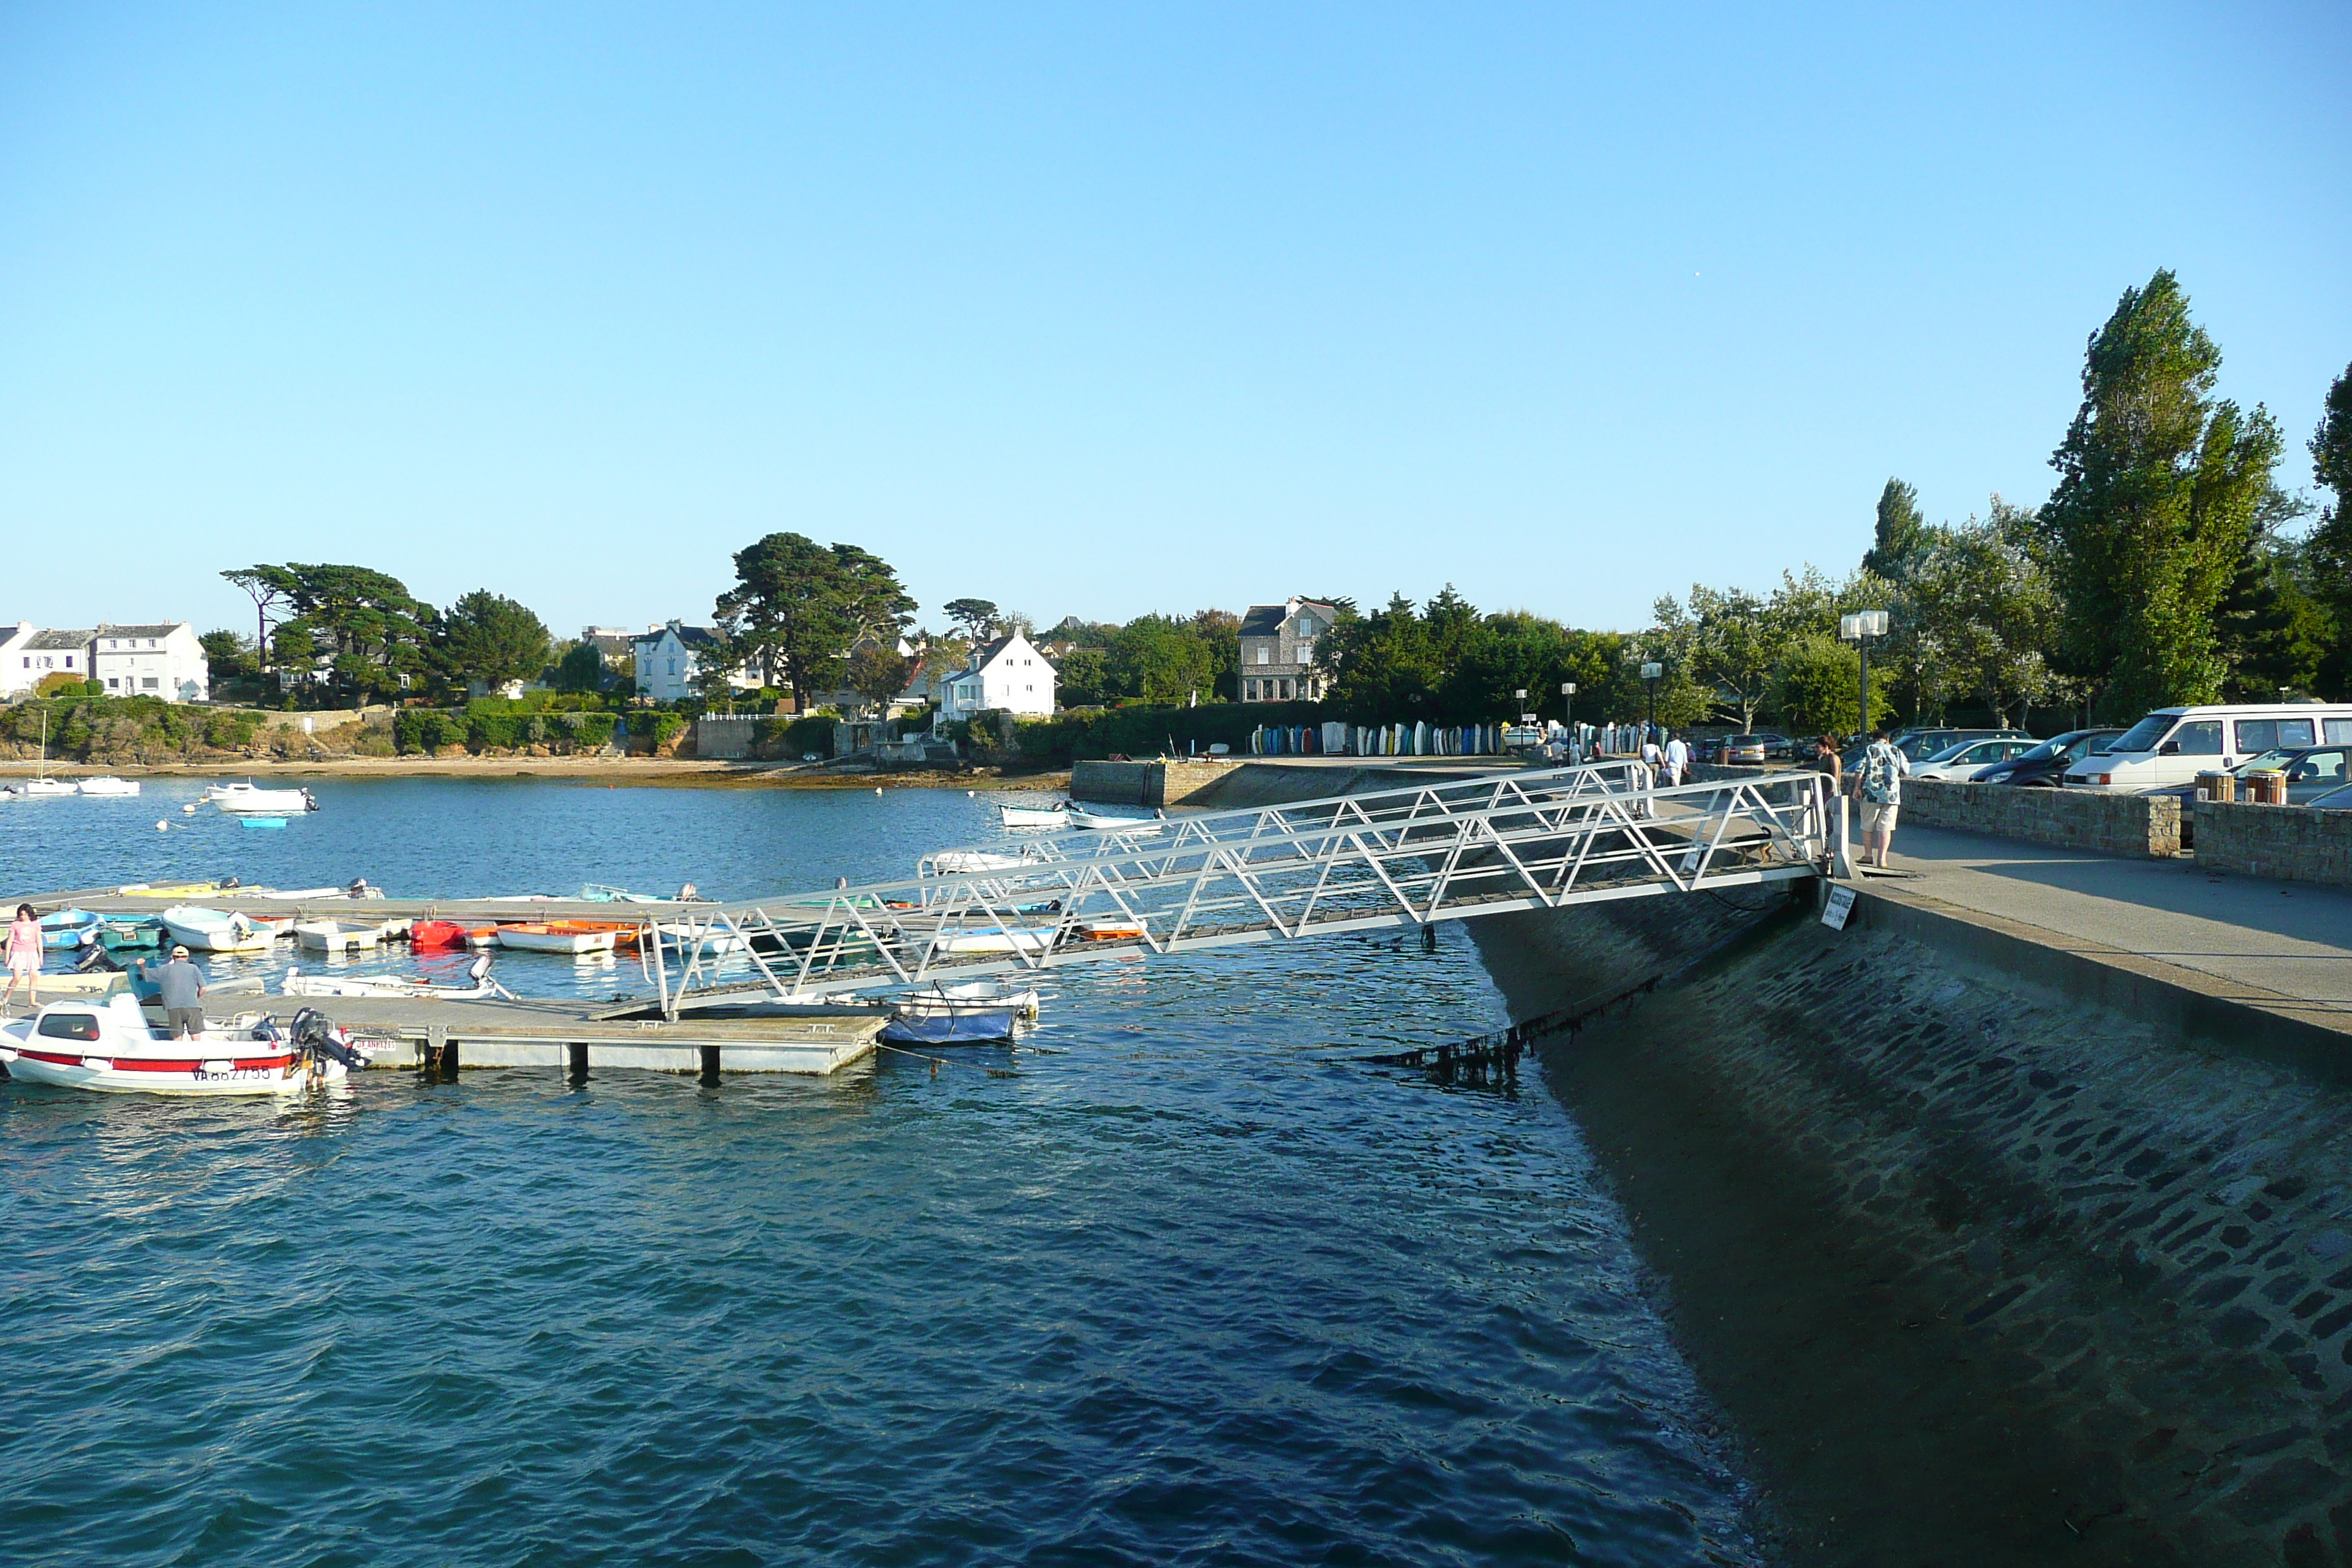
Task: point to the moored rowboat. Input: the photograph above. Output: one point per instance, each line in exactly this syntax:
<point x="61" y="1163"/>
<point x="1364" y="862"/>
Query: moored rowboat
<point x="218" y="930"/>
<point x="549" y="937"/>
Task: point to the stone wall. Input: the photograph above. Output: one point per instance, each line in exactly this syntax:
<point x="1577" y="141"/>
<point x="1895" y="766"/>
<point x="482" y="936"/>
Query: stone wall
<point x="1980" y="1273"/>
<point x="724" y="736"/>
<point x="2136" y="824"/>
<point x="2292" y="843"/>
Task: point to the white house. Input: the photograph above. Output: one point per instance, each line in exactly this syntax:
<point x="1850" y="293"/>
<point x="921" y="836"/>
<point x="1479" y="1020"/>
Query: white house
<point x="165" y="660"/>
<point x="15" y="668"/>
<point x="1009" y="675"/>
<point x="49" y="653"/>
<point x="668" y="656"/>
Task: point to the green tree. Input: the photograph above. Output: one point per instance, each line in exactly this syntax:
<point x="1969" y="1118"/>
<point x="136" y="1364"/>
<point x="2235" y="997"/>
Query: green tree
<point x="878" y="672"/>
<point x="1083" y="677"/>
<point x="1382" y="668"/>
<point x="1982" y="601"/>
<point x="1221" y="631"/>
<point x="2327" y="554"/>
<point x="976" y="616"/>
<point x="1159" y="659"/>
<point x="1817" y="687"/>
<point x="799" y="607"/>
<point x="364" y="623"/>
<point x="2157" y="488"/>
<point x="1725" y="640"/>
<point x="488" y="637"/>
<point x="227" y="656"/>
<point x="267" y="587"/>
<point x="1900" y="533"/>
<point x="582" y="669"/>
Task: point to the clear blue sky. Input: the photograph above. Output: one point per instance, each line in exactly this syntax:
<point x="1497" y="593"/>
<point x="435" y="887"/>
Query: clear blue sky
<point x="1107" y="309"/>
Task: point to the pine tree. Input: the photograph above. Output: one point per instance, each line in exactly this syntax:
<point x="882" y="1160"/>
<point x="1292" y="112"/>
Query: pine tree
<point x="2327" y="554"/>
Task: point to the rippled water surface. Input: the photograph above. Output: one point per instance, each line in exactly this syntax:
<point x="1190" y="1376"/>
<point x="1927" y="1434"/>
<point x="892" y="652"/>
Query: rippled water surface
<point x="1179" y="1281"/>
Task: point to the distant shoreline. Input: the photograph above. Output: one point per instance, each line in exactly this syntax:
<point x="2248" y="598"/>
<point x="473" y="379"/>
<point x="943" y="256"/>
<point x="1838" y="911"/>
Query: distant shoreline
<point x="665" y="772"/>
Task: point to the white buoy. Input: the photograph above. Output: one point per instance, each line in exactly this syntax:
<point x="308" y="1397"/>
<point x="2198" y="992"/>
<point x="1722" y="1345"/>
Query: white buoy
<point x="971" y="793"/>
<point x="188" y="810"/>
<point x="163" y="826"/>
<point x="878" y="789"/>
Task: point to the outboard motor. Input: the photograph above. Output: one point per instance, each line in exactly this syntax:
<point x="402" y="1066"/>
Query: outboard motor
<point x="316" y="1036"/>
<point x="309" y="802"/>
<point x="94" y="959"/>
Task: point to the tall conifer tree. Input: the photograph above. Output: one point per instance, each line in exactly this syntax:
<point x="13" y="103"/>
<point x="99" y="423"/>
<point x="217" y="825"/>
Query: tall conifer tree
<point x="2157" y="488"/>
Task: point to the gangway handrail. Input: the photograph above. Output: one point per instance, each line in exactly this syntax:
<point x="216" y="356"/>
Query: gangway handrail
<point x="1454" y="850"/>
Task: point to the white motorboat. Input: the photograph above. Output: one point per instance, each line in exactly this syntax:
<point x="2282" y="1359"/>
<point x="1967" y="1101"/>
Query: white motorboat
<point x="218" y="931"/>
<point x="251" y="802"/>
<point x="677" y="936"/>
<point x="1103" y="822"/>
<point x="110" y="1046"/>
<point x="476" y="986"/>
<point x="107" y="784"/>
<point x="337" y="936"/>
<point x="971" y="996"/>
<point x="1034" y="817"/>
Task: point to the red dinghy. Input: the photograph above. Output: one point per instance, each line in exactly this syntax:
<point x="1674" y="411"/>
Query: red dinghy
<point x="437" y="933"/>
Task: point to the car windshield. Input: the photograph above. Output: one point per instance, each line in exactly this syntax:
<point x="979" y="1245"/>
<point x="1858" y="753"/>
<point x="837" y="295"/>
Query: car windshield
<point x="2143" y="736"/>
<point x="2333" y="800"/>
<point x="1950" y="752"/>
<point x="2268" y="762"/>
<point x="2049" y="748"/>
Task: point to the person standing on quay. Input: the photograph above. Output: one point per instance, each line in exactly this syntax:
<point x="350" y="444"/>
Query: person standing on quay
<point x="24" y="956"/>
<point x="1677" y="760"/>
<point x="1878" y="779"/>
<point x="1825" y="760"/>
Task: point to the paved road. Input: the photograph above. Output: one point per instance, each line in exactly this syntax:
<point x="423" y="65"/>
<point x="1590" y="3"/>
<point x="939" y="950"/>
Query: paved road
<point x="2291" y="940"/>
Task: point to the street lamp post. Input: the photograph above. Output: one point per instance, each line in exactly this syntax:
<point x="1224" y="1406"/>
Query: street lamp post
<point x="1858" y="629"/>
<point x="1568" y="706"/>
<point x="1650" y="674"/>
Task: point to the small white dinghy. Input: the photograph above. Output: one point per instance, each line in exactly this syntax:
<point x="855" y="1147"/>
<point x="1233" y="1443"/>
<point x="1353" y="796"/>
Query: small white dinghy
<point x="107" y="784"/>
<point x="1034" y="816"/>
<point x="1036" y="939"/>
<point x="476" y="986"/>
<point x="218" y="931"/>
<point x="538" y="938"/>
<point x="112" y="1048"/>
<point x="942" y="1000"/>
<point x="337" y="936"/>
<point x="1103" y="822"/>
<point x="966" y="862"/>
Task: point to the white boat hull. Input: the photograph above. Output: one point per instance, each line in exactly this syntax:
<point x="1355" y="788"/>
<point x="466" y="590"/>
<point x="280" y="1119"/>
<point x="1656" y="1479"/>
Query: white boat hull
<point x="1033" y="816"/>
<point x="276" y="1073"/>
<point x="264" y="804"/>
<point x="44" y="787"/>
<point x="959" y="1001"/>
<point x="108" y="785"/>
<point x="332" y="936"/>
<point x="573" y="941"/>
<point x="1115" y="824"/>
<point x="996" y="942"/>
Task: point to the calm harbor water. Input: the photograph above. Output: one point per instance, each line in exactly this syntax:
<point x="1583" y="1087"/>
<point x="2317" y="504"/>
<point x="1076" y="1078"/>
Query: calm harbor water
<point x="1189" y="1285"/>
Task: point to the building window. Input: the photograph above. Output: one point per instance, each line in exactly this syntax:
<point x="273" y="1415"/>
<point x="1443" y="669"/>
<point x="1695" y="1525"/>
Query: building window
<point x="111" y="682"/>
<point x="150" y="683"/>
<point x="1264" y="654"/>
<point x="70" y="666"/>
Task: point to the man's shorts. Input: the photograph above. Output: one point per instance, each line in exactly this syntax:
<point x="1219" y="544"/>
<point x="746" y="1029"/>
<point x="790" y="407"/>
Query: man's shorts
<point x="185" y="1020"/>
<point x="1878" y="816"/>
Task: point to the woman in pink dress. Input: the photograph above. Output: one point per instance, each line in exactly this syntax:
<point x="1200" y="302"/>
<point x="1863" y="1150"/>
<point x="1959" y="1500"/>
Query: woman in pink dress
<point x="24" y="956"/>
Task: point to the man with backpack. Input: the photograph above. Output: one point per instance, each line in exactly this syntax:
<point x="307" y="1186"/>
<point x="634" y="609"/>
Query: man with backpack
<point x="1878" y="783"/>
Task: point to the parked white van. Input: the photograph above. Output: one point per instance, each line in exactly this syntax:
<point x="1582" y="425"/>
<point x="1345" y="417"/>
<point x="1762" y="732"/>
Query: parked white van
<point x="2173" y="745"/>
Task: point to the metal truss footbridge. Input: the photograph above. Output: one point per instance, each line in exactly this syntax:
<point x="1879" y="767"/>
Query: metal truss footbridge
<point x="1444" y="850"/>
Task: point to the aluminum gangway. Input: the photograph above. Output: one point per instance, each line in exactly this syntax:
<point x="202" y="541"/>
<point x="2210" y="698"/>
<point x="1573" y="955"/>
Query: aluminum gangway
<point x="1441" y="852"/>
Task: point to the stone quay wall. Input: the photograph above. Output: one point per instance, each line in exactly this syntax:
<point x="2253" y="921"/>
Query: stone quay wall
<point x="2142" y="825"/>
<point x="727" y="737"/>
<point x="1980" y="1270"/>
<point x="2292" y="843"/>
<point x="1162" y="782"/>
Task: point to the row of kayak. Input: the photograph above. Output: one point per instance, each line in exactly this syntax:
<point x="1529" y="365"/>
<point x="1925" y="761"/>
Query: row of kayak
<point x="206" y="929"/>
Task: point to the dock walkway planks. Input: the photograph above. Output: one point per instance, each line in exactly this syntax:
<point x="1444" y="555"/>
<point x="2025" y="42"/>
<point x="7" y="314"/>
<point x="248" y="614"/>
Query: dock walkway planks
<point x="534" y="1033"/>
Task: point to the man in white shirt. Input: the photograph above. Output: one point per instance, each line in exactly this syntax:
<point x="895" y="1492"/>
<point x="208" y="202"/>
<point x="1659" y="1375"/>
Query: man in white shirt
<point x="1678" y="761"/>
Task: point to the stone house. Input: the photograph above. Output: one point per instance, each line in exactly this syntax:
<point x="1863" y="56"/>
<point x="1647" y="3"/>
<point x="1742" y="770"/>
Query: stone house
<point x="1278" y="644"/>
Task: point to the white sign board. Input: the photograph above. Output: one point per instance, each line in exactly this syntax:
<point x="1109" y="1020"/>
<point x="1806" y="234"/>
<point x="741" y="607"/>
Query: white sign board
<point x="1840" y="905"/>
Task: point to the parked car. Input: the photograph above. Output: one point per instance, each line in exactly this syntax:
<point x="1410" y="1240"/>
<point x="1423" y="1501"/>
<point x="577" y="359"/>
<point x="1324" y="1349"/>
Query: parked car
<point x="2046" y="763"/>
<point x="1963" y="759"/>
<point x="2173" y="745"/>
<point x="1918" y="745"/>
<point x="2335" y="800"/>
<point x="1757" y="749"/>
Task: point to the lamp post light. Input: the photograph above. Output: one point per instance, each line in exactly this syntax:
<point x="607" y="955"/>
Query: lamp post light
<point x="1650" y="674"/>
<point x="1525" y="717"/>
<point x="1858" y="629"/>
<point x="1568" y="706"/>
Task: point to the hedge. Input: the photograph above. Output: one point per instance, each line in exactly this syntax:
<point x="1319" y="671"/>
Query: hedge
<point x="1147" y="732"/>
<point x="492" y="723"/>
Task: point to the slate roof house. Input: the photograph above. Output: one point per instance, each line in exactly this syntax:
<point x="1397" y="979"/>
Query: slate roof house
<point x="1009" y="675"/>
<point x="1279" y="651"/>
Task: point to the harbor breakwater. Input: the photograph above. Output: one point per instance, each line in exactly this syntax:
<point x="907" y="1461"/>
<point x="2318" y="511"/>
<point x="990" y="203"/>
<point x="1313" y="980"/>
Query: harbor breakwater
<point x="1983" y="1272"/>
<point x="1990" y="1257"/>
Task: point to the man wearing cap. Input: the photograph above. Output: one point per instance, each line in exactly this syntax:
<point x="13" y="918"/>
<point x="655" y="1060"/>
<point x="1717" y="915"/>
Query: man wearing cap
<point x="182" y="987"/>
